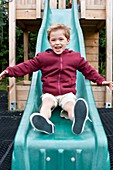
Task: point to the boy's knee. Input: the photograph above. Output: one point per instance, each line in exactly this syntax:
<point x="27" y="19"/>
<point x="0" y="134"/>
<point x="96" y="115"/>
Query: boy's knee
<point x="48" y="102"/>
<point x="68" y="106"/>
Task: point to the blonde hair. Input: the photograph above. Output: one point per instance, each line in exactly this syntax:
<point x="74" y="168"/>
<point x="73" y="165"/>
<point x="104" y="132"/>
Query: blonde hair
<point x="57" y="27"/>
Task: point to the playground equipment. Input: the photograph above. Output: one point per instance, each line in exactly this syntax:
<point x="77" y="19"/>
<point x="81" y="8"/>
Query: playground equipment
<point x="62" y="150"/>
<point x="93" y="15"/>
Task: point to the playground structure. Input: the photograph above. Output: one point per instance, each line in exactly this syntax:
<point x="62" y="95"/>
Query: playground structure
<point x="62" y="150"/>
<point x="93" y="16"/>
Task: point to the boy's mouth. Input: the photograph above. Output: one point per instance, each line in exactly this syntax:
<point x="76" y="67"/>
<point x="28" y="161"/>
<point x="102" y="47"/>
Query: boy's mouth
<point x="58" y="47"/>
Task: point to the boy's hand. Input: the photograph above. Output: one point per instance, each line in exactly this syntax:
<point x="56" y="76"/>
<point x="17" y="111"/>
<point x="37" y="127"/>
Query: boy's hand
<point x="108" y="83"/>
<point x="3" y="73"/>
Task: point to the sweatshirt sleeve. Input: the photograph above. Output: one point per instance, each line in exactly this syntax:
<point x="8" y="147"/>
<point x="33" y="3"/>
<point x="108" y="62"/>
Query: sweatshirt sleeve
<point x="89" y="72"/>
<point x="24" y="68"/>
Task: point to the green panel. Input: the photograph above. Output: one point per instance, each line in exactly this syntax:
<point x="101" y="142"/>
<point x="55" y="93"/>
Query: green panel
<point x="62" y="150"/>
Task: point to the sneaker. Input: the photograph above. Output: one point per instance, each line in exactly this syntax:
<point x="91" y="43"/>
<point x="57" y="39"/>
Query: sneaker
<point x="42" y="124"/>
<point x="80" y="116"/>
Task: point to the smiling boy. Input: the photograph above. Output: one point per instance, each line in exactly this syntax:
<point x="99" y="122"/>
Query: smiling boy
<point x="58" y="66"/>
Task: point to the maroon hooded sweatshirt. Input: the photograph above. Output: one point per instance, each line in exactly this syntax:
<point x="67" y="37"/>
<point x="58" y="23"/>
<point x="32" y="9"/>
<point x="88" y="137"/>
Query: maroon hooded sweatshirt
<point x="58" y="71"/>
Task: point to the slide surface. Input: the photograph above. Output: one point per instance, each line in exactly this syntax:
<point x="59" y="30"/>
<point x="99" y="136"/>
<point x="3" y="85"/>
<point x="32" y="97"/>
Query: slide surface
<point x="62" y="150"/>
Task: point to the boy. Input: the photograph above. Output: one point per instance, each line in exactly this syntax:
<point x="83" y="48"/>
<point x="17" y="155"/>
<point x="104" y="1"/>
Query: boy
<point x="58" y="66"/>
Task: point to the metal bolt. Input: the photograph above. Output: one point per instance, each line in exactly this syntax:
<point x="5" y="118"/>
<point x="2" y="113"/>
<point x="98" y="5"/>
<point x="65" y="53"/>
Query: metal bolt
<point x="60" y="150"/>
<point x="48" y="159"/>
<point x="73" y="159"/>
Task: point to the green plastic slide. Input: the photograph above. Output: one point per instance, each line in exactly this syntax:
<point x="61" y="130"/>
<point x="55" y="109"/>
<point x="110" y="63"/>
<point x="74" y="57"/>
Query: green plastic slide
<point x="62" y="150"/>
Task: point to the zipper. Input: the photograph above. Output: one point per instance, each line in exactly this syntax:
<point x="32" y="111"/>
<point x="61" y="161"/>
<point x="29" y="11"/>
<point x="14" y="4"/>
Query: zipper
<point x="59" y="76"/>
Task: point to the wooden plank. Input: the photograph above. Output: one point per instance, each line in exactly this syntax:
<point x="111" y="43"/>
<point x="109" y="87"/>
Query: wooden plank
<point x="26" y="2"/>
<point x="89" y="23"/>
<point x="42" y="5"/>
<point x="21" y="105"/>
<point x="109" y="45"/>
<point x="83" y="8"/>
<point x="92" y="50"/>
<point x="33" y="2"/>
<point x="95" y="2"/>
<point x="94" y="64"/>
<point x="20" y="2"/>
<point x="92" y="2"/>
<point x="62" y="4"/>
<point x="92" y="57"/>
<point x="91" y="44"/>
<point x="99" y="2"/>
<point x="94" y="43"/>
<point x="53" y="3"/>
<point x="98" y="88"/>
<point x="88" y="2"/>
<point x="24" y="83"/>
<point x="26" y="77"/>
<point x="38" y="9"/>
<point x="91" y="35"/>
<point x="95" y="7"/>
<point x="90" y="29"/>
<point x="26" y="14"/>
<point x="21" y="25"/>
<point x="96" y="14"/>
<point x="12" y="42"/>
<point x="26" y="6"/>
<point x="22" y="92"/>
<point x="22" y="89"/>
<point x="100" y="104"/>
<point x="100" y="25"/>
<point x="99" y="96"/>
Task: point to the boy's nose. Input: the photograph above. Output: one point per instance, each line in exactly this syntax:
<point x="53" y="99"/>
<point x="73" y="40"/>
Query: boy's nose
<point x="57" y="41"/>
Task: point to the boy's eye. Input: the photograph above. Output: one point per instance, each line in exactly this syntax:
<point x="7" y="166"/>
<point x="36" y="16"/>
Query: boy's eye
<point x="60" y="39"/>
<point x="53" y="39"/>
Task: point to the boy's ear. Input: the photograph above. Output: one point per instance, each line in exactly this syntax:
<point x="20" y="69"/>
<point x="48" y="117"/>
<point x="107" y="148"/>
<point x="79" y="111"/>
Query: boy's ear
<point x="68" y="40"/>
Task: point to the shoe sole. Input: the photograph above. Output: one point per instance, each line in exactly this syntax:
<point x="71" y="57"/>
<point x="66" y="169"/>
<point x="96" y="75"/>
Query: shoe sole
<point x="40" y="123"/>
<point x="81" y="115"/>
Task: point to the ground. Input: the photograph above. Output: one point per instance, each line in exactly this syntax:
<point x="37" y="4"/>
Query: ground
<point x="9" y="122"/>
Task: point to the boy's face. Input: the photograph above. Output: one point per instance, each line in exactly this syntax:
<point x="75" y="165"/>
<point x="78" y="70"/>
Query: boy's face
<point x="58" y="41"/>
